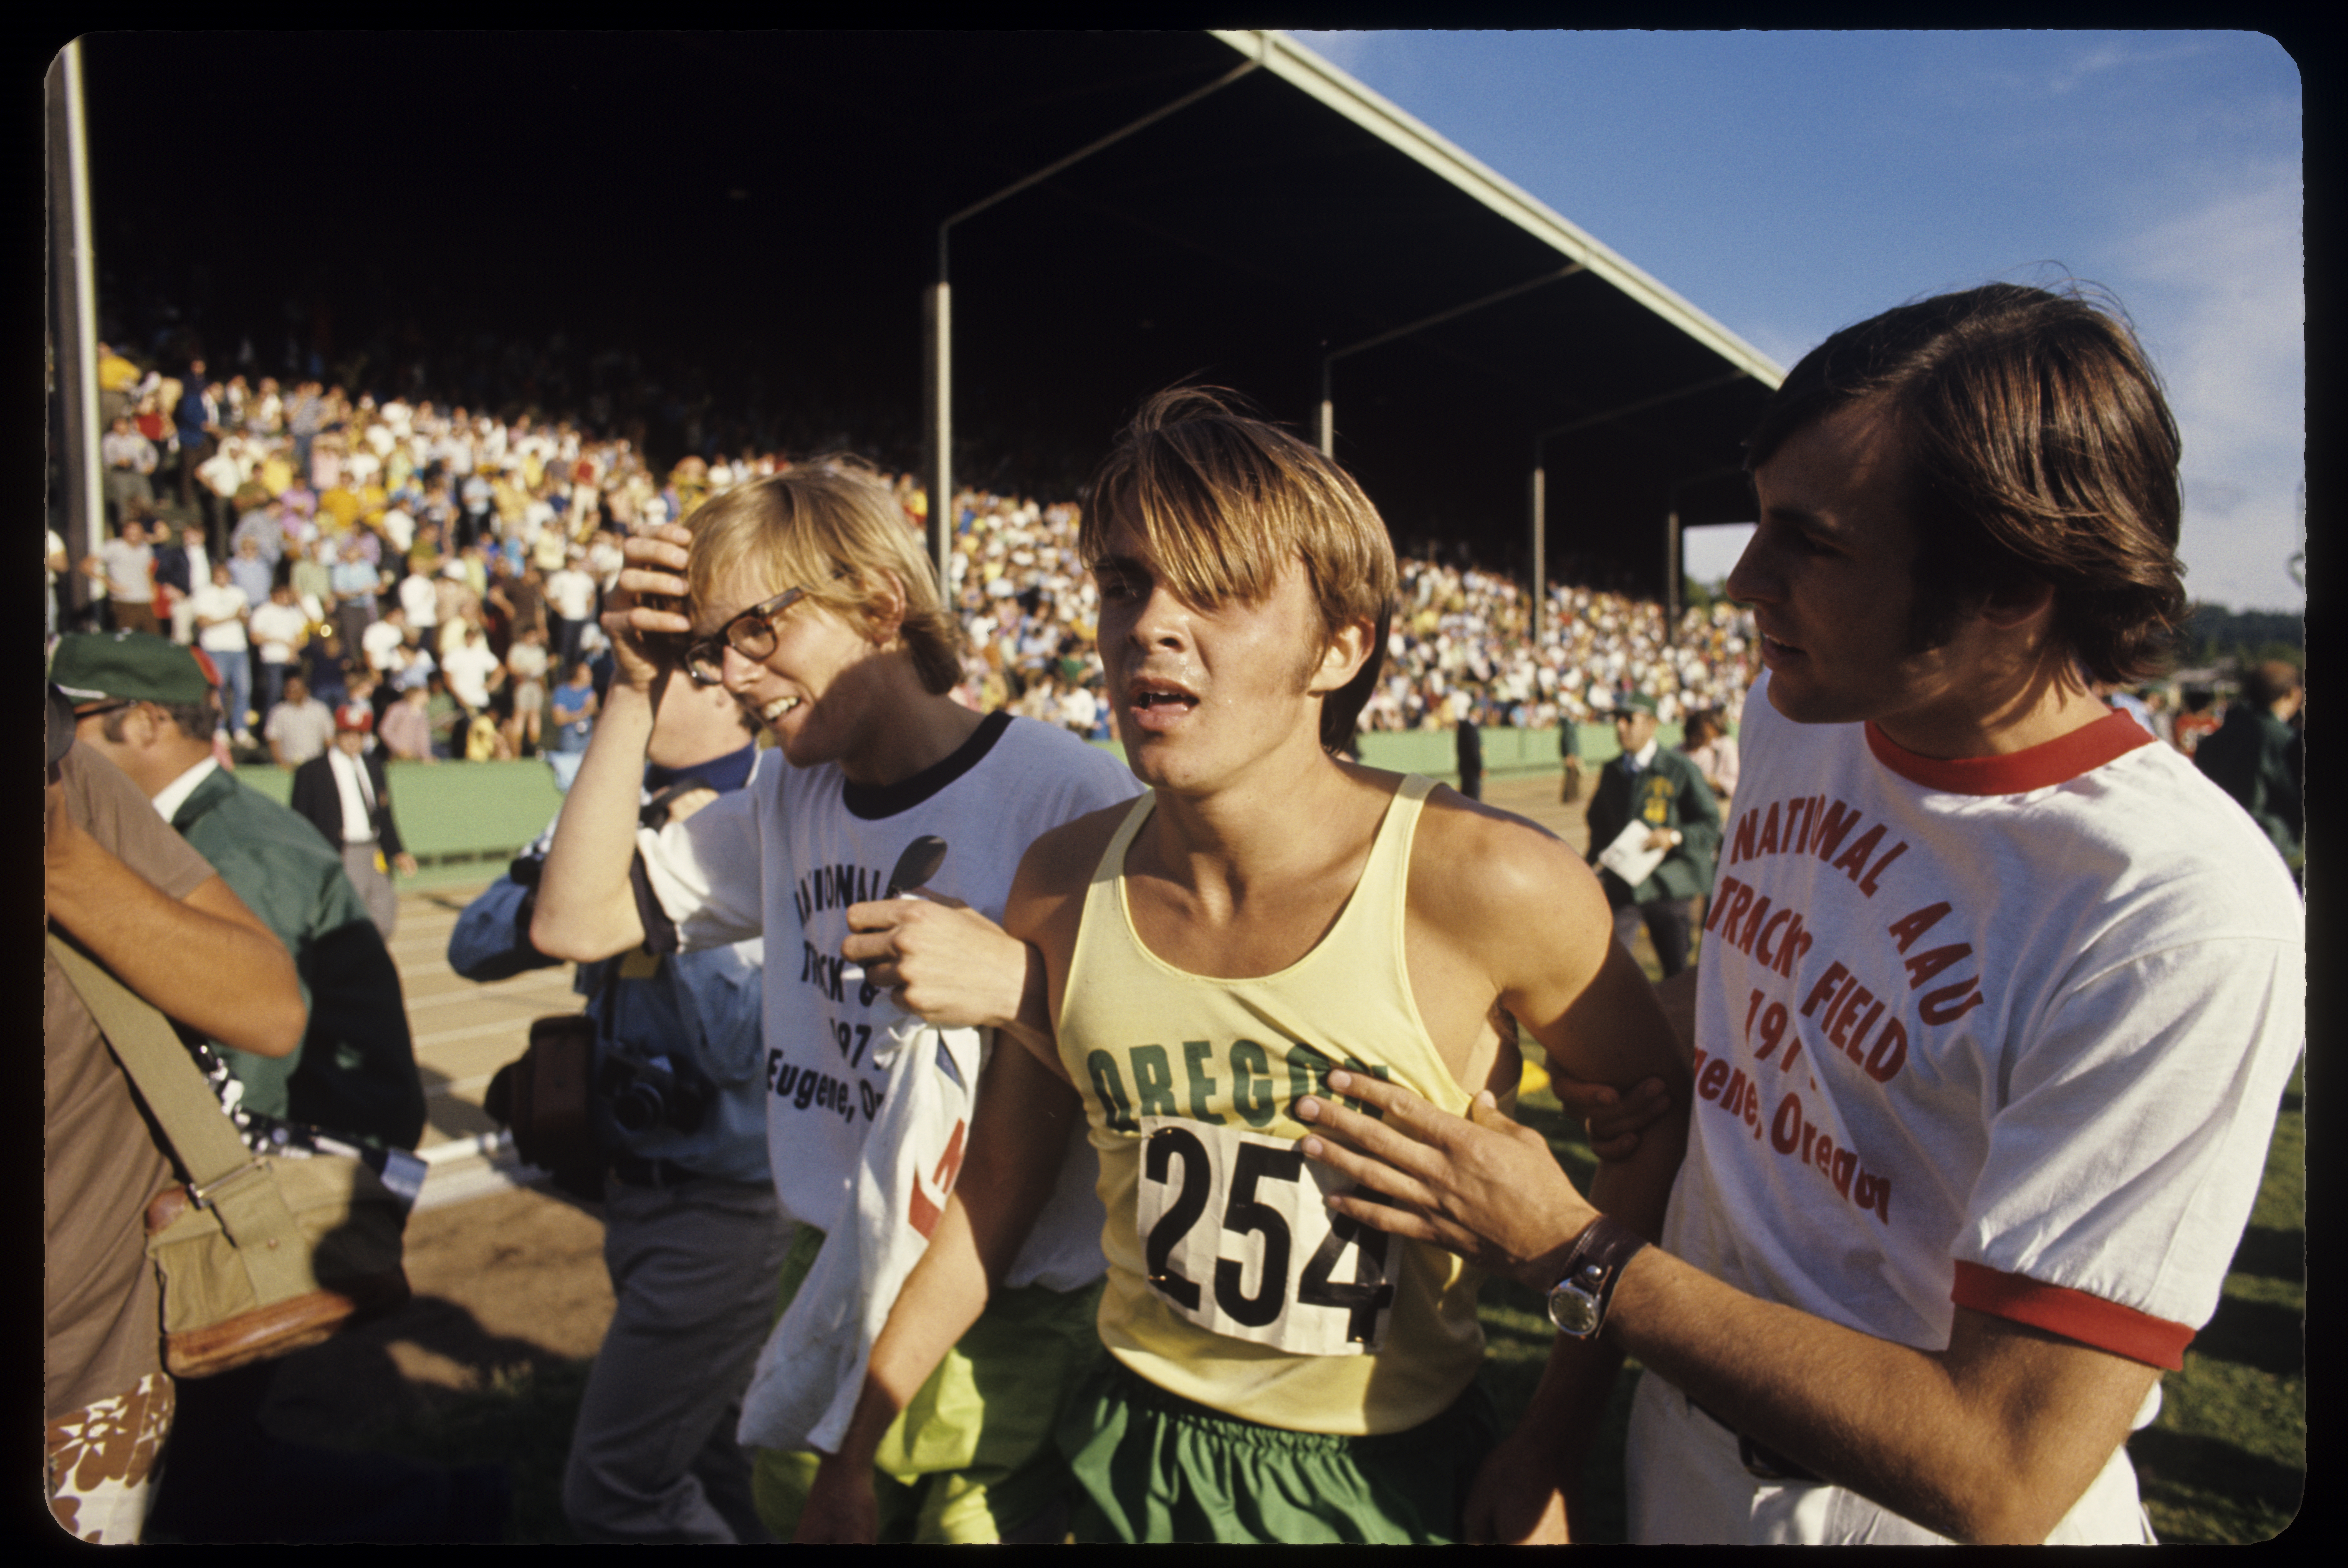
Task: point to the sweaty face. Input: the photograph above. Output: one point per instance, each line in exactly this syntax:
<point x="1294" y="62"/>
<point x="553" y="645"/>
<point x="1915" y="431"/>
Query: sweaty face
<point x="1198" y="694"/>
<point x="809" y="691"/>
<point x="1827" y="573"/>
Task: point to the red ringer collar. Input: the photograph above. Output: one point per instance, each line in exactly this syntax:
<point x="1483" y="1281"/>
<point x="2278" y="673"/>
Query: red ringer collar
<point x="2057" y="761"/>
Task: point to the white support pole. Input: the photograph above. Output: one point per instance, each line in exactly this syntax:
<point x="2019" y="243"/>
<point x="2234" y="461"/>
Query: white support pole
<point x="1671" y="572"/>
<point x="937" y="397"/>
<point x="1328" y="414"/>
<point x="1540" y="548"/>
<point x="937" y="322"/>
<point x="76" y="357"/>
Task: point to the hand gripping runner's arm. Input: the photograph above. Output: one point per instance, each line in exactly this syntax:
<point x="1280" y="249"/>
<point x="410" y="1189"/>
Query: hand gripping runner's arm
<point x="1530" y="1489"/>
<point x="585" y="909"/>
<point x="956" y="969"/>
<point x="1993" y="1439"/>
<point x="1515" y="908"/>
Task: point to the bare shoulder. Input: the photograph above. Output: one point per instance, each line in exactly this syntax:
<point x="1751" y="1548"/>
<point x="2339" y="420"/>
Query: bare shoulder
<point x="1512" y="904"/>
<point x="1476" y="861"/>
<point x="1048" y="893"/>
<point x="1063" y="858"/>
<point x="1506" y="886"/>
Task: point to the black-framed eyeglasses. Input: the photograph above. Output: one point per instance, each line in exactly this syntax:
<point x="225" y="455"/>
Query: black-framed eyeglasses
<point x="750" y="634"/>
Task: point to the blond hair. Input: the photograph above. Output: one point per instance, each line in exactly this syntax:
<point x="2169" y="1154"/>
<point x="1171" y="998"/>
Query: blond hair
<point x="1223" y="501"/>
<point x="830" y="527"/>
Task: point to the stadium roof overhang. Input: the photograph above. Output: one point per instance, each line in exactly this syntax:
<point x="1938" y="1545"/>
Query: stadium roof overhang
<point x="1230" y="206"/>
<point x="775" y="199"/>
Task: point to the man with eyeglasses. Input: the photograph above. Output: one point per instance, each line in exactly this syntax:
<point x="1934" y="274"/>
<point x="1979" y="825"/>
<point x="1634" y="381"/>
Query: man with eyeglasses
<point x="813" y="606"/>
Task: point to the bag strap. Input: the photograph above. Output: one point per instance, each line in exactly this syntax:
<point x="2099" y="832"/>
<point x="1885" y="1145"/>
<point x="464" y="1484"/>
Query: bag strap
<point x="199" y="1132"/>
<point x="223" y="1175"/>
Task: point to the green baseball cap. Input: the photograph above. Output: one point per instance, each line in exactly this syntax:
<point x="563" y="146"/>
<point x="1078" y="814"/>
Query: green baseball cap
<point x="1634" y="702"/>
<point x="135" y="666"/>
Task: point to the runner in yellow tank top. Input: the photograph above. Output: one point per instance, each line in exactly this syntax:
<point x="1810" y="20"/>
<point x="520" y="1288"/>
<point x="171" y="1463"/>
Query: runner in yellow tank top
<point x="1183" y="975"/>
<point x="1153" y="1048"/>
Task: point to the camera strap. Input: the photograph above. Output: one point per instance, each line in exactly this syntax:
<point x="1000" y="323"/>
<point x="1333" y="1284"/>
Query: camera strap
<point x="607" y="1013"/>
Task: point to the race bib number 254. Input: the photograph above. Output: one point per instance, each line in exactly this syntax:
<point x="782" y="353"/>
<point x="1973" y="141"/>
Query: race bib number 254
<point x="1237" y="1238"/>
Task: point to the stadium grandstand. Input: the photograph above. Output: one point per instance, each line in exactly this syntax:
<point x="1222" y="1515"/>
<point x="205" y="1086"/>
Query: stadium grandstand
<point x="964" y="256"/>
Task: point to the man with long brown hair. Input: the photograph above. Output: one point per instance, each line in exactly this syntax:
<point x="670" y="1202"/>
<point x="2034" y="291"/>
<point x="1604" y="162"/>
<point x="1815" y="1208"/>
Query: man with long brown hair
<point x="1997" y="999"/>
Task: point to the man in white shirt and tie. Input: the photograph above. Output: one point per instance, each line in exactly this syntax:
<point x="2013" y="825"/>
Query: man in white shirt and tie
<point x="347" y="796"/>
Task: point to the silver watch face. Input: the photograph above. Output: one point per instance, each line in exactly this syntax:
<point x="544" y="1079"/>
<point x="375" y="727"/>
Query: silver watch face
<point x="1574" y="1310"/>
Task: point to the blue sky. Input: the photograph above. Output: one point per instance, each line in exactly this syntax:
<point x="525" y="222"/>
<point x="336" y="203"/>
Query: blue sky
<point x="1790" y="183"/>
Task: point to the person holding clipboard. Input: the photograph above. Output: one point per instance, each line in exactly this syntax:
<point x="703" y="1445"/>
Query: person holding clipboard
<point x="1654" y="832"/>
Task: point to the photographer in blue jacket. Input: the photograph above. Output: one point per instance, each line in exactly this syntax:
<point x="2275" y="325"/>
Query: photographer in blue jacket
<point x="692" y="1236"/>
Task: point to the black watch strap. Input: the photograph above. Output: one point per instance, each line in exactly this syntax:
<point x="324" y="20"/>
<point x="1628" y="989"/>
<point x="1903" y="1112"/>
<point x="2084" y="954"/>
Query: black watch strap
<point x="1578" y="1302"/>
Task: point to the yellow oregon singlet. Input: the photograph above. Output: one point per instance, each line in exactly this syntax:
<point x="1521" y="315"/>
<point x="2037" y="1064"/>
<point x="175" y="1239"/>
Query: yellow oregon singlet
<point x="1227" y="1283"/>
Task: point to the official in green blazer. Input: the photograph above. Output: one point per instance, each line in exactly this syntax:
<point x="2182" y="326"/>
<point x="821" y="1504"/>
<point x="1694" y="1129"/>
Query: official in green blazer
<point x="146" y="704"/>
<point x="1653" y="784"/>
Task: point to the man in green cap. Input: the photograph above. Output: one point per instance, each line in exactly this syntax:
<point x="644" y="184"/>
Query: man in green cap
<point x="1662" y="792"/>
<point x="145" y="704"/>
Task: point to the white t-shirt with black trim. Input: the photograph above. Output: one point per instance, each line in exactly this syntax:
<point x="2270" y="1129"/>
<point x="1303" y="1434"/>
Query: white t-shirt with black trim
<point x="785" y="856"/>
<point x="2006" y="1033"/>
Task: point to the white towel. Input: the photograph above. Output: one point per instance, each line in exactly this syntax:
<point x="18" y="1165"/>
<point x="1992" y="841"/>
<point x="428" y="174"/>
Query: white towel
<point x="812" y="1370"/>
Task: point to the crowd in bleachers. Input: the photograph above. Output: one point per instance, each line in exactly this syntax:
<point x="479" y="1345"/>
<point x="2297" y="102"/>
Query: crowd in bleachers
<point x="412" y="546"/>
<point x="1460" y="646"/>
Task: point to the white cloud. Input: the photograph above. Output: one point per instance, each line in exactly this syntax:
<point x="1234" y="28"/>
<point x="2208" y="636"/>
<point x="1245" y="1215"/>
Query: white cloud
<point x="1707" y="554"/>
<point x="2232" y="342"/>
<point x="2219" y="293"/>
<point x="2112" y="56"/>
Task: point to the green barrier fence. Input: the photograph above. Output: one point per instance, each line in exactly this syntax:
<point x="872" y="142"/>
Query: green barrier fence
<point x="1433" y="752"/>
<point x="462" y="820"/>
<point x="465" y="820"/>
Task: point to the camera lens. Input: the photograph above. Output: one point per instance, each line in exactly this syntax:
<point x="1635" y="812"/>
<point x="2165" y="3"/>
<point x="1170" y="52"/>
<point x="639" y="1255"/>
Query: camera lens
<point x="637" y="1108"/>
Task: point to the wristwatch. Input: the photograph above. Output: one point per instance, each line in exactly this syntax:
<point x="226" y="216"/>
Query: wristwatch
<point x="1577" y="1303"/>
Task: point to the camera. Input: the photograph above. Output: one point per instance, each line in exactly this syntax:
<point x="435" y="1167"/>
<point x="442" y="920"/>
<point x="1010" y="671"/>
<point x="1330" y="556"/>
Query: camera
<point x="645" y="1095"/>
<point x="671" y="646"/>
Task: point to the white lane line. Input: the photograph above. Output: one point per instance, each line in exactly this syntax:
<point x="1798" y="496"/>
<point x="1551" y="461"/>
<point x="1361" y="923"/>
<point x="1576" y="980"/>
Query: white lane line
<point x="552" y="981"/>
<point x="460" y="1088"/>
<point x="517" y="1026"/>
<point x="466" y="1180"/>
<point x="435" y="942"/>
